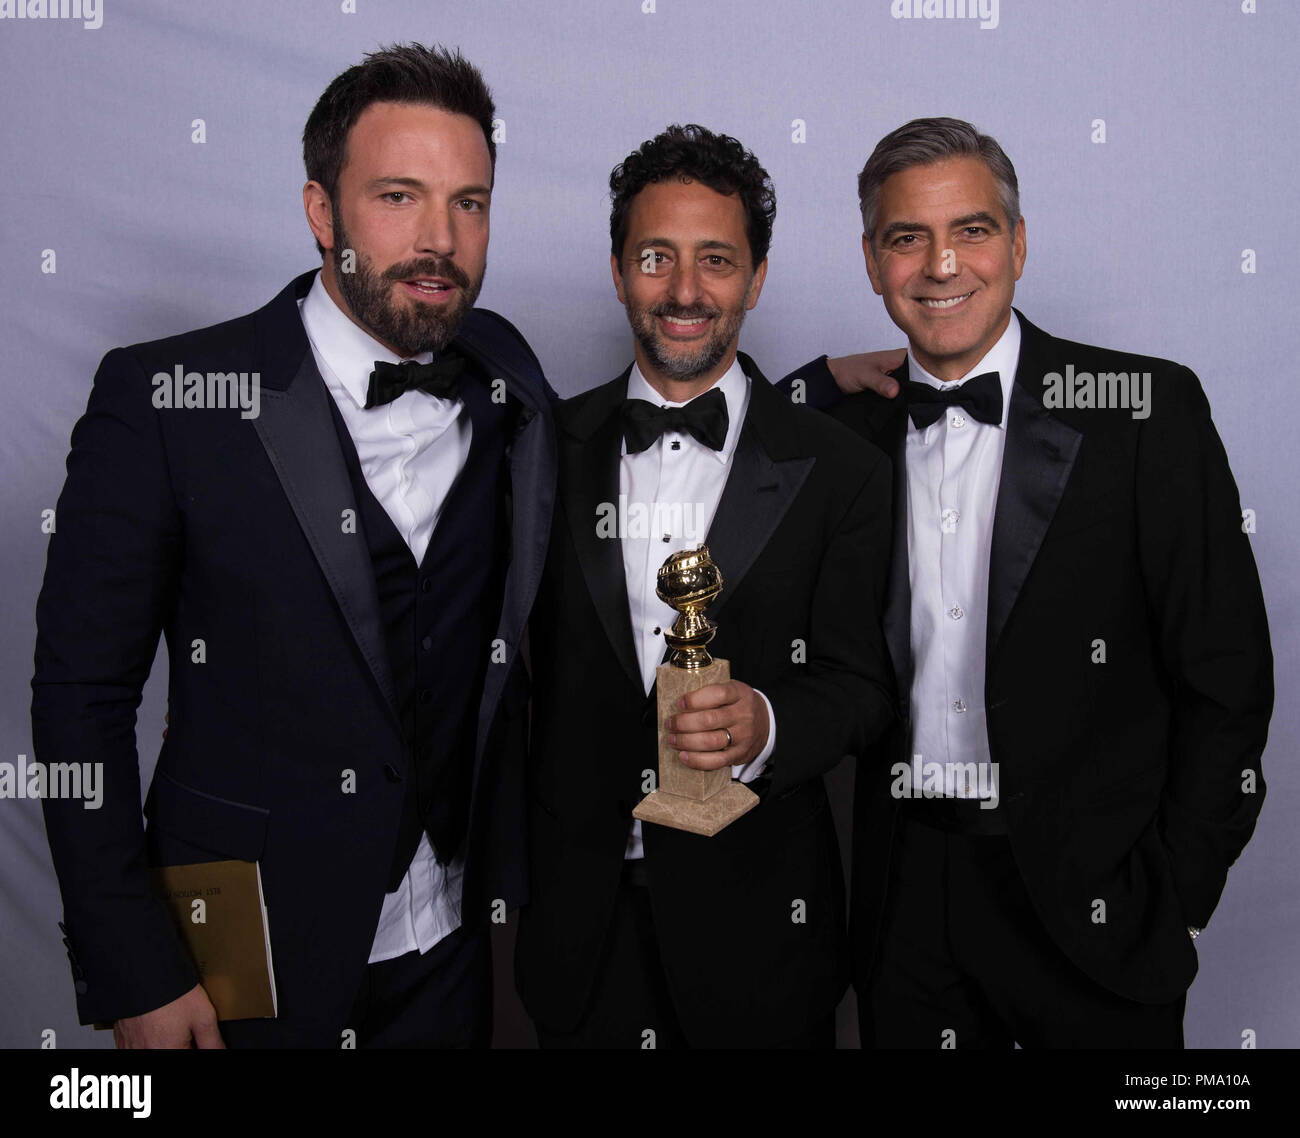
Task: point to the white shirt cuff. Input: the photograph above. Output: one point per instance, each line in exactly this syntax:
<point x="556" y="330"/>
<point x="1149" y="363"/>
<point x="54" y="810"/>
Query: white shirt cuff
<point x="749" y="771"/>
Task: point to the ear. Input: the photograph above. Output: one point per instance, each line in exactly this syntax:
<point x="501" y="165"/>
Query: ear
<point x="873" y="269"/>
<point x="1018" y="248"/>
<point x="617" y="270"/>
<point x="316" y="205"/>
<point x="756" y="284"/>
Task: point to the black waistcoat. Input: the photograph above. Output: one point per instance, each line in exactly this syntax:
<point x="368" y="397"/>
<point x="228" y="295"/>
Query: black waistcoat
<point x="439" y="619"/>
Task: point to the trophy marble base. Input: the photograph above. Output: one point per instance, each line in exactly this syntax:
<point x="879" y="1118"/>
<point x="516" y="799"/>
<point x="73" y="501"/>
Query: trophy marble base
<point x="705" y="818"/>
<point x="701" y="802"/>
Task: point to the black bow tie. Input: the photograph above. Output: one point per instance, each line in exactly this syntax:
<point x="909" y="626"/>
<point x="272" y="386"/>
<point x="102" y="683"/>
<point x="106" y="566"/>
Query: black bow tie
<point x="980" y="395"/>
<point x="439" y="377"/>
<point x="704" y="417"/>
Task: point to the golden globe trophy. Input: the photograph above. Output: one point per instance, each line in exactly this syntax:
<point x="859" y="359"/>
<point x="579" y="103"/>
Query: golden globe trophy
<point x="702" y="802"/>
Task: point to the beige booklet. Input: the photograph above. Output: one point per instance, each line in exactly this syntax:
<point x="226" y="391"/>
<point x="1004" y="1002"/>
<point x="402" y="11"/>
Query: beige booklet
<point x="220" y="912"/>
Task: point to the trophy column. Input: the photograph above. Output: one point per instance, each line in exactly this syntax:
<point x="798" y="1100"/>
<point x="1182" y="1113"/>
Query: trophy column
<point x="702" y="802"/>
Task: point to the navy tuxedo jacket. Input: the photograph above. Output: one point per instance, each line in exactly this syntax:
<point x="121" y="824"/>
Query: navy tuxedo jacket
<point x="284" y="745"/>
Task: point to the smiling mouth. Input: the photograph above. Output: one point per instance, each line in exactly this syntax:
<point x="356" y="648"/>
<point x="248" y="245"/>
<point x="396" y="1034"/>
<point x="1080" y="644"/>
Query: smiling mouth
<point x="948" y="302"/>
<point x="430" y="285"/>
<point x="685" y="321"/>
<point x="683" y="327"/>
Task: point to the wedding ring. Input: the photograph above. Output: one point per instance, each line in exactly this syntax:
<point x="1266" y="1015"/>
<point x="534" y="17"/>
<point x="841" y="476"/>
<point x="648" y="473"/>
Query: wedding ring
<point x="728" y="731"/>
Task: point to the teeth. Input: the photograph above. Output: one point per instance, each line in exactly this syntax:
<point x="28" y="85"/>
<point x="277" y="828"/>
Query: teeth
<point x="685" y="323"/>
<point x="945" y="303"/>
<point x="429" y="286"/>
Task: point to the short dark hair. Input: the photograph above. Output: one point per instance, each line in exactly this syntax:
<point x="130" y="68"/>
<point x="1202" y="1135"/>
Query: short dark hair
<point x="924" y="141"/>
<point x="714" y="160"/>
<point x="400" y="73"/>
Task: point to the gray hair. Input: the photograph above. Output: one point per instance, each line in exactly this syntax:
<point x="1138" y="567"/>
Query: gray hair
<point x="923" y="141"/>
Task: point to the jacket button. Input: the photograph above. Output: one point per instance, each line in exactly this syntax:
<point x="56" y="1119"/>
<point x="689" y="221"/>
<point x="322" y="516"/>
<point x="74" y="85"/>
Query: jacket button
<point x="426" y="586"/>
<point x="392" y="772"/>
<point x="81" y="987"/>
<point x="648" y="716"/>
<point x="426" y="696"/>
<point x="427" y="643"/>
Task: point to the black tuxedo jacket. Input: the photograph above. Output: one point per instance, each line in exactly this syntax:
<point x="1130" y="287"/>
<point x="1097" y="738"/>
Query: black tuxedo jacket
<point x="1134" y="782"/>
<point x="284" y="744"/>
<point x="801" y="536"/>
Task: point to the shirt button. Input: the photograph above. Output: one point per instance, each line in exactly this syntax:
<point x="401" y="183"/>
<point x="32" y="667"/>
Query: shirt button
<point x="949" y="519"/>
<point x="668" y="537"/>
<point x="657" y="631"/>
<point x="958" y="420"/>
<point x="959" y="705"/>
<point x="956" y="612"/>
<point x="677" y="444"/>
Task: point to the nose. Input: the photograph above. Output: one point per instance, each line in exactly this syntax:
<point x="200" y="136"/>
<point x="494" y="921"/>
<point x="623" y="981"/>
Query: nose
<point x="684" y="286"/>
<point x="941" y="264"/>
<point x="435" y="235"/>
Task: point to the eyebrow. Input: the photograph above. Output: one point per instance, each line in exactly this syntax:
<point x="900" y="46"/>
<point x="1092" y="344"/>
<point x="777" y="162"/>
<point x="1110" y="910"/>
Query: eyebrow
<point x="727" y="245"/>
<point x="897" y="227"/>
<point x="417" y="184"/>
<point x="972" y="218"/>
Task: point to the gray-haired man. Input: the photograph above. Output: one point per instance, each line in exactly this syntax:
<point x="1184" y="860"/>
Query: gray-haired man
<point x="1078" y="638"/>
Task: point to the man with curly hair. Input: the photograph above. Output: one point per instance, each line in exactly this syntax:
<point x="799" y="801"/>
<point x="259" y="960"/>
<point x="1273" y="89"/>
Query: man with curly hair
<point x="641" y="935"/>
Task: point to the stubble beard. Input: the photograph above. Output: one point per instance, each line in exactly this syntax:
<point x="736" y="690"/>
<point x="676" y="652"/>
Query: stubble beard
<point x="698" y="362"/>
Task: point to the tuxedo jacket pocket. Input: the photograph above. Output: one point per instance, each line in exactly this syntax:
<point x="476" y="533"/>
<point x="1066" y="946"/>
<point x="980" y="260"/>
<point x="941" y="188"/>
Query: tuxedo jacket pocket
<point x="221" y="826"/>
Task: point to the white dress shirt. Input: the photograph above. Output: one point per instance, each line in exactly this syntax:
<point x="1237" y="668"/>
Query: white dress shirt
<point x="411" y="451"/>
<point x="954" y="468"/>
<point x="668" y="495"/>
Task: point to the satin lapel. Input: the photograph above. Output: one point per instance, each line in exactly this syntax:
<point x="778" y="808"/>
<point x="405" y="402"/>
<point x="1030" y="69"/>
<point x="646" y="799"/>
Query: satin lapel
<point x="532" y="463"/>
<point x="589" y="489"/>
<point x="298" y="433"/>
<point x="1036" y="464"/>
<point x="761" y="484"/>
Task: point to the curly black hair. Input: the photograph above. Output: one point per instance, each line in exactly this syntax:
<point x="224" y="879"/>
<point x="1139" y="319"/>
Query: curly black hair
<point x="714" y="160"/>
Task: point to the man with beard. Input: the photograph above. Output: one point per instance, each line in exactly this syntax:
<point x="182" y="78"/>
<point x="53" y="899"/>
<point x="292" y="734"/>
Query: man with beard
<point x="641" y="935"/>
<point x="342" y="581"/>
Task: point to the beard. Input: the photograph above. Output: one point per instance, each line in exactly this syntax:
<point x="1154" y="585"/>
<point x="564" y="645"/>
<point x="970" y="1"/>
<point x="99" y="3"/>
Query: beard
<point x="699" y="359"/>
<point x="408" y="330"/>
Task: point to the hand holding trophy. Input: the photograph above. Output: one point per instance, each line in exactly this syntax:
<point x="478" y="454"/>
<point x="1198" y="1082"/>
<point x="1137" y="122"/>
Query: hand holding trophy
<point x="702" y="802"/>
